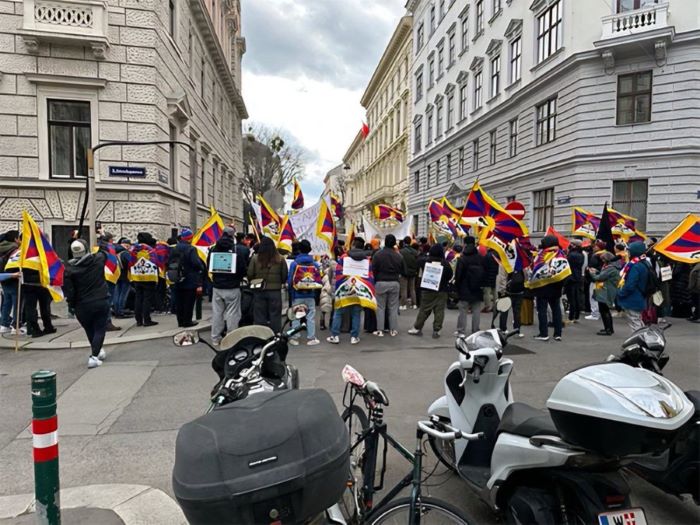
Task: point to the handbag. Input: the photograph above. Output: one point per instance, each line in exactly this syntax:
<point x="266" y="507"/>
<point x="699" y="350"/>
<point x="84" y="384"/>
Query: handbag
<point x="257" y="284"/>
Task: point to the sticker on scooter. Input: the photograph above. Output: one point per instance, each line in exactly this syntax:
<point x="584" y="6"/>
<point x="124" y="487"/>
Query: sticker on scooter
<point x="623" y="517"/>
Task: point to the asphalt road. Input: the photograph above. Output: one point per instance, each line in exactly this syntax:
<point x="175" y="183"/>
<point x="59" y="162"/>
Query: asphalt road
<point x="118" y="423"/>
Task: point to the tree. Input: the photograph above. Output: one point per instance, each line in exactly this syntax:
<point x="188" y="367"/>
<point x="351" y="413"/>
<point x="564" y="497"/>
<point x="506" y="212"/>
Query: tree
<point x="269" y="161"/>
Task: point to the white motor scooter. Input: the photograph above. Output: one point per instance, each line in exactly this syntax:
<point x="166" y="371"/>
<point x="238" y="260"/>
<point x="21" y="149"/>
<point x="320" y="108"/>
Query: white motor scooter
<point x="557" y="467"/>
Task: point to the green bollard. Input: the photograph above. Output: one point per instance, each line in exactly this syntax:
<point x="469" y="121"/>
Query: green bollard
<point x="45" y="441"/>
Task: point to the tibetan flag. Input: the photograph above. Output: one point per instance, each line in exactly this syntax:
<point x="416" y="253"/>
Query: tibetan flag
<point x="452" y="211"/>
<point x="112" y="268"/>
<point x="337" y="207"/>
<point x="624" y="226"/>
<point x="287" y="236"/>
<point x="36" y="253"/>
<point x="269" y="220"/>
<point x="512" y="255"/>
<point x="13" y="260"/>
<point x="584" y="223"/>
<point x="143" y="267"/>
<point x="563" y="241"/>
<point x="436" y="211"/>
<point x="384" y="212"/>
<point x="482" y="210"/>
<point x="682" y="244"/>
<point x="352" y="289"/>
<point x="350" y="238"/>
<point x="550" y="266"/>
<point x="208" y="235"/>
<point x="298" y="198"/>
<point x="161" y="254"/>
<point x="325" y="224"/>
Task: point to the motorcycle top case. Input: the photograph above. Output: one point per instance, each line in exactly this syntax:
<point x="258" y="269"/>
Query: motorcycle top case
<point x="616" y="410"/>
<point x="275" y="457"/>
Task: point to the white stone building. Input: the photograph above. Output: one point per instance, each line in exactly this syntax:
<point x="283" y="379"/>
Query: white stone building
<point x="77" y="73"/>
<point x="558" y="103"/>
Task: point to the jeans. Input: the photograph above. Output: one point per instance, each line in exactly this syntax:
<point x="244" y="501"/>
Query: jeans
<point x="555" y="304"/>
<point x="8" y="314"/>
<point x="408" y="290"/>
<point x="110" y="295"/>
<point x="226" y="311"/>
<point x="267" y="309"/>
<point x="573" y="296"/>
<point x="121" y="292"/>
<point x="634" y="320"/>
<point x="490" y="298"/>
<point x="185" y="299"/>
<point x="387" y="302"/>
<point x="355" y="311"/>
<point x="462" y="318"/>
<point x="606" y="317"/>
<point x="143" y="302"/>
<point x="594" y="304"/>
<point x="433" y="302"/>
<point x="310" y="303"/>
<point x="93" y="317"/>
<point x="516" y="301"/>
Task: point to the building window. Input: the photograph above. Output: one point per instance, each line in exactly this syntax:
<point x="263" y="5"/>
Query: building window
<point x="431" y="71"/>
<point x="441" y="61"/>
<point x="416" y="181"/>
<point x="479" y="28"/>
<point x="429" y="138"/>
<point x="439" y="118"/>
<point x="492" y="147"/>
<point x="495" y="75"/>
<point x="516" y="53"/>
<point x="419" y="86"/>
<point x="478" y="81"/>
<point x="634" y="98"/>
<point x="496" y="7"/>
<point x="513" y="138"/>
<point x="630" y="197"/>
<point x="543" y="209"/>
<point x="448" y="167"/>
<point x="442" y="9"/>
<point x="417" y="137"/>
<point x="463" y="102"/>
<point x="549" y="31"/>
<point x="633" y="5"/>
<point x="546" y="121"/>
<point x="171" y="17"/>
<point x="437" y="172"/>
<point x="450" y="111"/>
<point x="432" y="19"/>
<point x="69" y="138"/>
<point x="451" y="51"/>
<point x="190" y="49"/>
<point x="419" y="37"/>
<point x="475" y="155"/>
<point x="203" y="180"/>
<point x="202" y="77"/>
<point x="465" y="34"/>
<point x="173" y="155"/>
<point x="460" y="166"/>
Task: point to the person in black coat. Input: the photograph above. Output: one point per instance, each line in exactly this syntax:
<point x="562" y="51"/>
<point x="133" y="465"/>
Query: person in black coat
<point x="86" y="292"/>
<point x="192" y="270"/>
<point x="434" y="301"/>
<point x="489" y="283"/>
<point x="574" y="284"/>
<point x="469" y="281"/>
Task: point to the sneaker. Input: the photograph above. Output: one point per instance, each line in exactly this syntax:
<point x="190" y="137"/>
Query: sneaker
<point x="313" y="342"/>
<point x="113" y="328"/>
<point x="457" y="333"/>
<point x="436" y="335"/>
<point x="603" y="332"/>
<point x="93" y="362"/>
<point x="22" y="331"/>
<point x="294" y="342"/>
<point x="5" y="329"/>
<point x="378" y="333"/>
<point x="102" y="355"/>
<point x="402" y="308"/>
<point x="354" y="340"/>
<point x="153" y="323"/>
<point x="334" y="339"/>
<point x="393" y="333"/>
<point x="592" y="318"/>
<point x="557" y="338"/>
<point x="521" y="335"/>
<point x="415" y="331"/>
<point x="414" y="307"/>
<point x="542" y="338"/>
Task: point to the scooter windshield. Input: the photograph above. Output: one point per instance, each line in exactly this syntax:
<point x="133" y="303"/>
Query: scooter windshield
<point x="483" y="339"/>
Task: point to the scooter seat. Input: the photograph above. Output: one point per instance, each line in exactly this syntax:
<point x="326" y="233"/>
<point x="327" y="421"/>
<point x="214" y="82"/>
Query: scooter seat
<point x="523" y="420"/>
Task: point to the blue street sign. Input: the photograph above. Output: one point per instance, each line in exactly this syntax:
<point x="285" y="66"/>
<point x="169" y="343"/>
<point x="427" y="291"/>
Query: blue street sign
<point x="126" y="171"/>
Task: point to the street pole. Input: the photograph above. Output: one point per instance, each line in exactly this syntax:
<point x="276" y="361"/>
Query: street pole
<point x="193" y="188"/>
<point x="92" y="200"/>
<point x="45" y="442"/>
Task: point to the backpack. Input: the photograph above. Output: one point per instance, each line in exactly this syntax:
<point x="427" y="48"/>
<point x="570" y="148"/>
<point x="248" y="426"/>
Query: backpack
<point x="653" y="284"/>
<point x="516" y="282"/>
<point x="175" y="272"/>
<point x="306" y="277"/>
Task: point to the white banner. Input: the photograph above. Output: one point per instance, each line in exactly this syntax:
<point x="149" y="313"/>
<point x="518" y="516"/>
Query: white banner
<point x="304" y="224"/>
<point x="399" y="230"/>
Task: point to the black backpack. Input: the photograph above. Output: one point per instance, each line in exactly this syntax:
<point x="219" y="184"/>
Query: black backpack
<point x="653" y="283"/>
<point x="176" y="267"/>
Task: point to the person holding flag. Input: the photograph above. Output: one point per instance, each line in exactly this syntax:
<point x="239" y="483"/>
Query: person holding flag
<point x="185" y="270"/>
<point x="9" y="248"/>
<point x="143" y="274"/>
<point x="87" y="293"/>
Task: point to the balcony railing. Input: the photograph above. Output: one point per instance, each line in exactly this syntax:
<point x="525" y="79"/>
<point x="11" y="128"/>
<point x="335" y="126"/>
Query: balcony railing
<point x="635" y="22"/>
<point x="81" y="22"/>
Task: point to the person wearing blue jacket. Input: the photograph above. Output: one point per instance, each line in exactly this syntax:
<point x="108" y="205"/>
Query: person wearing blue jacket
<point x="633" y="283"/>
<point x="302" y="285"/>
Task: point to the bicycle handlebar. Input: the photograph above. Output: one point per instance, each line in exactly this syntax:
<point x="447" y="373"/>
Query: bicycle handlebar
<point x="453" y="434"/>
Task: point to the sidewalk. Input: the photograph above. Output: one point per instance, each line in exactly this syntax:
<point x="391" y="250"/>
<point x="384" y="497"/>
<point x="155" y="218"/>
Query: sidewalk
<point x="70" y="335"/>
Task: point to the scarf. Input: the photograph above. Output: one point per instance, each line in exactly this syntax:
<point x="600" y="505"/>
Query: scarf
<point x="626" y="269"/>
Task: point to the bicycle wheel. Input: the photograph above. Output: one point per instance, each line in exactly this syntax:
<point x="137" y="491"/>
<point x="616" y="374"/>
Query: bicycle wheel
<point x="432" y="512"/>
<point x="357" y="422"/>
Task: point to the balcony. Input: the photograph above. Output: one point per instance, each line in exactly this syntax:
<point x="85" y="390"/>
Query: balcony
<point x="628" y="23"/>
<point x="71" y="22"/>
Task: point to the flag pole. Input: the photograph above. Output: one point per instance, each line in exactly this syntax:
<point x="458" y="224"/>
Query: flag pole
<point x="18" y="313"/>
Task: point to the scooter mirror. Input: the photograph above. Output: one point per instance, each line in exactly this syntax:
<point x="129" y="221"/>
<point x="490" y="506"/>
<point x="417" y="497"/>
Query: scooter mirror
<point x="503" y="304"/>
<point x="186" y="338"/>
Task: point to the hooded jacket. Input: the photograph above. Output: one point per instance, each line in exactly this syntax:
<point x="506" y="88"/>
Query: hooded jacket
<point x="410" y="260"/>
<point x="192" y="266"/>
<point x="469" y="275"/>
<point x="229" y="281"/>
<point x="84" y="280"/>
<point x="631" y="295"/>
<point x="7" y="248"/>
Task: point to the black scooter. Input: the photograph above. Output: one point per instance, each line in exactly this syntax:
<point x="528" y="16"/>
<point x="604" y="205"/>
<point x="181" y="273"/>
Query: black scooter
<point x="676" y="470"/>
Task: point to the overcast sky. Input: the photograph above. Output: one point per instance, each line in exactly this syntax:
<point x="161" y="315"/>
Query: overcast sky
<point x="306" y="67"/>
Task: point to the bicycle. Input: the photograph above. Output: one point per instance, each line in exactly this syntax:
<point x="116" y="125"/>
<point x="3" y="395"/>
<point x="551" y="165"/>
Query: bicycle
<point x="358" y="504"/>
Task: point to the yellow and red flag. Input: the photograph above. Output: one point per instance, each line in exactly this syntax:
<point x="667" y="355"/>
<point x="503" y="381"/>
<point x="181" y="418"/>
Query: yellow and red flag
<point x="36" y="253"/>
<point x="287" y="235"/>
<point x="350" y="238"/>
<point x="208" y="234"/>
<point x="682" y="244"/>
<point x="584" y="223"/>
<point x="384" y="212"/>
<point x="298" y="198"/>
<point x="269" y="220"/>
<point x="481" y="207"/>
<point x="325" y="224"/>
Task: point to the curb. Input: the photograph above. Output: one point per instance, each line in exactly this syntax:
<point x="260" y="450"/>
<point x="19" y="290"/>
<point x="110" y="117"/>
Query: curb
<point x="6" y="343"/>
<point x="134" y="504"/>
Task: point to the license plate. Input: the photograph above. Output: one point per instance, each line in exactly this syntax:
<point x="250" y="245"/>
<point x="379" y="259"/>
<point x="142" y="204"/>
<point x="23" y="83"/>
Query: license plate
<point x="623" y="517"/>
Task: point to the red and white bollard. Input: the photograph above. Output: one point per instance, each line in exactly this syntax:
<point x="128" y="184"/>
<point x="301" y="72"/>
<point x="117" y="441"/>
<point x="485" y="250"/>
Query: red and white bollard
<point x="45" y="441"/>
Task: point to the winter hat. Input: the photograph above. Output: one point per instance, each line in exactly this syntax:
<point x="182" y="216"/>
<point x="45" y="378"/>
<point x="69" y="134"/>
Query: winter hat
<point x="78" y="248"/>
<point x="229" y="232"/>
<point x="637" y="248"/>
<point x="186" y="234"/>
<point x="436" y="251"/>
